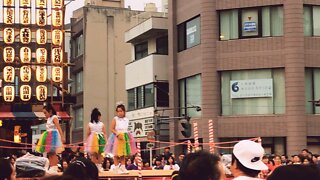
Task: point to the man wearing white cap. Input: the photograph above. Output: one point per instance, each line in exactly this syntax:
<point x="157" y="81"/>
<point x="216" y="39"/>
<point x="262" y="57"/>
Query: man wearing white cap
<point x="246" y="161"/>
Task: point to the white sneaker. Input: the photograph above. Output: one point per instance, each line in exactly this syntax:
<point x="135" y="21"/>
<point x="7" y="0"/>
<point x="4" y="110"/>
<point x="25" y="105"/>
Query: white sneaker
<point x="123" y="169"/>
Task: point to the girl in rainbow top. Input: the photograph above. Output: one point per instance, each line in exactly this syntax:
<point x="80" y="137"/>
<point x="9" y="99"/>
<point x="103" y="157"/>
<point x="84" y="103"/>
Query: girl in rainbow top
<point x="121" y="142"/>
<point x="51" y="140"/>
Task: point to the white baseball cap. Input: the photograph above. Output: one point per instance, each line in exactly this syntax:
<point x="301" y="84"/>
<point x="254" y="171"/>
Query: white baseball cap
<point x="250" y="154"/>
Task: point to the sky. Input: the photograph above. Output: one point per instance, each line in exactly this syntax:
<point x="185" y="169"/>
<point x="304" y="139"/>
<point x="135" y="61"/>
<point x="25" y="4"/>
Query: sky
<point x="134" y="4"/>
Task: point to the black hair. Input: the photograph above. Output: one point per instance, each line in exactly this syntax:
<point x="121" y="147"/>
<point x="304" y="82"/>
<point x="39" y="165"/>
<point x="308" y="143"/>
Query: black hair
<point x="94" y="115"/>
<point x="245" y="170"/>
<point x="6" y="169"/>
<point x="295" y="172"/>
<point x="122" y="107"/>
<point x="48" y="107"/>
<point x="82" y="168"/>
<point x="173" y="162"/>
<point x="200" y="165"/>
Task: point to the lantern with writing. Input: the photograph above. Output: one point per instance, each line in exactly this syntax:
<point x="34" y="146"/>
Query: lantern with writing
<point x="41" y="36"/>
<point x="25" y="3"/>
<point x="8" y="93"/>
<point x="57" y="37"/>
<point x="41" y="73"/>
<point x="8" y="74"/>
<point x="25" y="92"/>
<point x="56" y="55"/>
<point x="8" y="35"/>
<point x="57" y="19"/>
<point x="41" y="92"/>
<point x="41" y="55"/>
<point x="25" y="55"/>
<point x="25" y="16"/>
<point x="57" y="3"/>
<point x="25" y="73"/>
<point x="8" y="3"/>
<point x="25" y="35"/>
<point x="57" y="74"/>
<point x="41" y="3"/>
<point x="41" y="17"/>
<point x="8" y="15"/>
<point x="8" y="54"/>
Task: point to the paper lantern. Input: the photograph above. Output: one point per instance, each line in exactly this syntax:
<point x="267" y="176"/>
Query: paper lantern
<point x="8" y="93"/>
<point x="41" y="55"/>
<point x="57" y="74"/>
<point x="8" y="3"/>
<point x="8" y="35"/>
<point x="56" y="55"/>
<point x="57" y="18"/>
<point x="26" y="3"/>
<point x="41" y="17"/>
<point x="8" y="15"/>
<point x="25" y="35"/>
<point x="41" y="36"/>
<point x="41" y="3"/>
<point x="25" y="73"/>
<point x="25" y="92"/>
<point x="41" y="74"/>
<point x="57" y="3"/>
<point x="57" y="37"/>
<point x="25" y="16"/>
<point x="8" y="74"/>
<point x="41" y="93"/>
<point x="8" y="54"/>
<point x="25" y="55"/>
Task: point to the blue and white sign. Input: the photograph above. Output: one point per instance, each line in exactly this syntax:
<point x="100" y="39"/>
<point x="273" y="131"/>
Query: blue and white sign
<point x="250" y="26"/>
<point x="251" y="88"/>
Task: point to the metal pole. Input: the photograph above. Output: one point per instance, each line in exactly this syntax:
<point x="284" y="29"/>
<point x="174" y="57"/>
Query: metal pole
<point x="150" y="151"/>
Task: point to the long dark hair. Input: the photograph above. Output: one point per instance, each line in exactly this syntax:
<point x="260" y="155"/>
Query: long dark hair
<point x="48" y="107"/>
<point x="94" y="115"/>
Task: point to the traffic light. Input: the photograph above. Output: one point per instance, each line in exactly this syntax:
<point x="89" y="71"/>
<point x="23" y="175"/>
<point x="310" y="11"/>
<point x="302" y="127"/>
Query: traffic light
<point x="186" y="125"/>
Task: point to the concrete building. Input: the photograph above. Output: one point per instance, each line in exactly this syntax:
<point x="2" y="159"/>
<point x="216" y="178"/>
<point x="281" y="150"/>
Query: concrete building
<point x="99" y="54"/>
<point x="252" y="66"/>
<point x="147" y="78"/>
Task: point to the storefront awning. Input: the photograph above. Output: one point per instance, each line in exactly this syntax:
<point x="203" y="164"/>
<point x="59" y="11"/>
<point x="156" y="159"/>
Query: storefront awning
<point x="30" y="115"/>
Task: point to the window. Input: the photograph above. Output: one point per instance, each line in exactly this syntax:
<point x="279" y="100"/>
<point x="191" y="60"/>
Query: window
<point x="77" y="46"/>
<point x="311" y="15"/>
<point x="254" y="98"/>
<point x="162" y="45"/>
<point x="189" y="34"/>
<point x="79" y="118"/>
<point x="312" y="89"/>
<point x="251" y="22"/>
<point x="141" y="50"/>
<point x="190" y="95"/>
<point x="143" y="96"/>
<point x="79" y="82"/>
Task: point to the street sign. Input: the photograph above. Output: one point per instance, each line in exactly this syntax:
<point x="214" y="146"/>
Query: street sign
<point x="150" y="145"/>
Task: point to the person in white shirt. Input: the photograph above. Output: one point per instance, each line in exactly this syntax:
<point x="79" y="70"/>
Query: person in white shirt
<point x="171" y="165"/>
<point x="246" y="161"/>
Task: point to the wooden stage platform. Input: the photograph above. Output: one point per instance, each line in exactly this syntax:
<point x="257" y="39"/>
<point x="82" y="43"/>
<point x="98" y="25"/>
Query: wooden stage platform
<point x="133" y="175"/>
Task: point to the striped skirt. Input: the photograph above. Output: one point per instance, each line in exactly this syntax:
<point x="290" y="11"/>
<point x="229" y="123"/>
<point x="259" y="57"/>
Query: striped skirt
<point x="50" y="141"/>
<point x="95" y="143"/>
<point x="124" y="147"/>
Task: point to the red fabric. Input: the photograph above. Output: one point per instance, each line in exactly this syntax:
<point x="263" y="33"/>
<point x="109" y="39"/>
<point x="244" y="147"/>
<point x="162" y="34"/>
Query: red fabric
<point x="6" y="115"/>
<point x="63" y="115"/>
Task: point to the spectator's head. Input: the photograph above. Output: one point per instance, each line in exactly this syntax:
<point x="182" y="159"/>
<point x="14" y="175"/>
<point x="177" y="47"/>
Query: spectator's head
<point x="296" y="159"/>
<point x="171" y="160"/>
<point x="247" y="159"/>
<point x="305" y="152"/>
<point x="295" y="172"/>
<point x="277" y="160"/>
<point x="7" y="170"/>
<point x="181" y="156"/>
<point x="201" y="165"/>
<point x="158" y="161"/>
<point x="53" y="158"/>
<point x="175" y="175"/>
<point x="265" y="159"/>
<point x="306" y="161"/>
<point x="167" y="149"/>
<point x="82" y="168"/>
